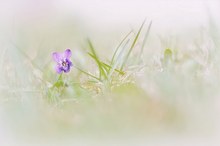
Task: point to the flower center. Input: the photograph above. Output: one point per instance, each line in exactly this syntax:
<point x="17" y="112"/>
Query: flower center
<point x="64" y="63"/>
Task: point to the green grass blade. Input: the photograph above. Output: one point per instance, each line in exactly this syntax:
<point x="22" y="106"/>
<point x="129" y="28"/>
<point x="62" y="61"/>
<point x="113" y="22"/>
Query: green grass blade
<point x="109" y="67"/>
<point x="96" y="58"/>
<point x="87" y="73"/>
<point x="132" y="46"/>
<point x="106" y="66"/>
<point x="119" y="58"/>
<point x="117" y="48"/>
<point x="103" y="66"/>
<point x="145" y="38"/>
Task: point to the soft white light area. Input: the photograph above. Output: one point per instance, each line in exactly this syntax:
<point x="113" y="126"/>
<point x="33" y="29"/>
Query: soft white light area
<point x="165" y="14"/>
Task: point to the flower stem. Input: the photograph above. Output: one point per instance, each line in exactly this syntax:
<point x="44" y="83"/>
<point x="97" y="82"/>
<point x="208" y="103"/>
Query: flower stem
<point x="58" y="81"/>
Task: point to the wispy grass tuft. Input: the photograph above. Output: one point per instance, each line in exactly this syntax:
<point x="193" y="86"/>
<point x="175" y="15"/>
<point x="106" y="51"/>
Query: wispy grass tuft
<point x="112" y="71"/>
<point x="132" y="46"/>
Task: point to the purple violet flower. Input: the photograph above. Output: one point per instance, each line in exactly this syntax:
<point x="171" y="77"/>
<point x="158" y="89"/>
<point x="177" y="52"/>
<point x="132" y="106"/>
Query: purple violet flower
<point x="63" y="61"/>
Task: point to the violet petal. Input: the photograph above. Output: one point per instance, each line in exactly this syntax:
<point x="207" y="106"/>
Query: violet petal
<point x="66" y="70"/>
<point x="56" y="57"/>
<point x="67" y="53"/>
<point x="58" y="69"/>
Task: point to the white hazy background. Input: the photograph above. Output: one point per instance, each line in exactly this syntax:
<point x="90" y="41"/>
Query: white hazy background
<point x="166" y="14"/>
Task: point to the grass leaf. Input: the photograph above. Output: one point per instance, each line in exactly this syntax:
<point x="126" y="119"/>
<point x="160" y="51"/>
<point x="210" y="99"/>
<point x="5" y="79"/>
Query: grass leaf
<point x="96" y="58"/>
<point x="145" y="38"/>
<point x="117" y="48"/>
<point x="87" y="73"/>
<point x="132" y="46"/>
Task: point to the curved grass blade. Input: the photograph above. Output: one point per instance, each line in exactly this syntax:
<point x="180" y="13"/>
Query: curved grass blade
<point x="106" y="66"/>
<point x="117" y="48"/>
<point x="96" y="58"/>
<point x="145" y="38"/>
<point x="132" y="46"/>
<point x="87" y="73"/>
<point x="119" y="59"/>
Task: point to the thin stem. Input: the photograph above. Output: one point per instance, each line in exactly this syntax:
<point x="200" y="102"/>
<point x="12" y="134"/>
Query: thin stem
<point x="59" y="79"/>
<point x="87" y="73"/>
